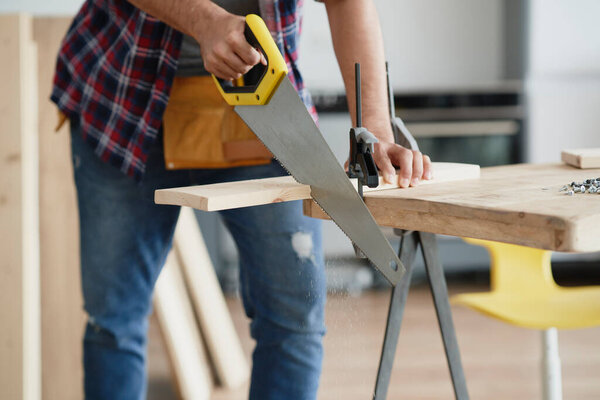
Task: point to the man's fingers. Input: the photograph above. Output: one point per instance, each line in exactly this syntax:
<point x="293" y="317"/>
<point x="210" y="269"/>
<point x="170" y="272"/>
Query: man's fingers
<point x="427" y="169"/>
<point x="405" y="162"/>
<point x="232" y="56"/>
<point x="414" y="166"/>
<point x="225" y="56"/>
<point x="403" y="158"/>
<point x="222" y="70"/>
<point x="237" y="64"/>
<point x="417" y="166"/>
<point x="384" y="164"/>
<point x="249" y="55"/>
<point x="263" y="59"/>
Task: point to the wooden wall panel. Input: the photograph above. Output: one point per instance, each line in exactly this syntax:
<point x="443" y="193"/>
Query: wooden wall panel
<point x="19" y="224"/>
<point x="63" y="318"/>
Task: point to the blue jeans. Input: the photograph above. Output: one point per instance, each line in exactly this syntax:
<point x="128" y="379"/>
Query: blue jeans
<point x="125" y="238"/>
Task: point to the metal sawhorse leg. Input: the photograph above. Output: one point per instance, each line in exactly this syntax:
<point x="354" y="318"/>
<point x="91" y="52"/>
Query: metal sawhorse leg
<point x="408" y="248"/>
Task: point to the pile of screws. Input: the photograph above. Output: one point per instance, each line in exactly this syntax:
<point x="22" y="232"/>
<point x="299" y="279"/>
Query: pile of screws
<point x="591" y="186"/>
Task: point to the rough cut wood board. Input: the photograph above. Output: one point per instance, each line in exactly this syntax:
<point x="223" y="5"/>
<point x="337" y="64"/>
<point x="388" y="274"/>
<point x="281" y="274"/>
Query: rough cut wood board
<point x="221" y="339"/>
<point x="518" y="204"/>
<point x="223" y="196"/>
<point x="20" y="339"/>
<point x="181" y="334"/>
<point x="582" y="158"/>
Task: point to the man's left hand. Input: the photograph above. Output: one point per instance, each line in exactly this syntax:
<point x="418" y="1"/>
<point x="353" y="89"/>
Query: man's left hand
<point x="414" y="166"/>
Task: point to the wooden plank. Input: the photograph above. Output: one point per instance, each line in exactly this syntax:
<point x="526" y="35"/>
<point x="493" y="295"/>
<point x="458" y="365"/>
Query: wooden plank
<point x="63" y="318"/>
<point x="518" y="204"/>
<point x="223" y="344"/>
<point x="582" y="158"/>
<point x="180" y="332"/>
<point x="32" y="335"/>
<point x="223" y="196"/>
<point x="20" y="361"/>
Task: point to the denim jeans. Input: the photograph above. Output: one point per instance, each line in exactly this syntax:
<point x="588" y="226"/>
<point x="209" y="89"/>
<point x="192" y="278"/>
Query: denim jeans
<point x="125" y="238"/>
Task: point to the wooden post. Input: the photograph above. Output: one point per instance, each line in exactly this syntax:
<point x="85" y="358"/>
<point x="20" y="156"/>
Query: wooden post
<point x="20" y="360"/>
<point x="63" y="318"/>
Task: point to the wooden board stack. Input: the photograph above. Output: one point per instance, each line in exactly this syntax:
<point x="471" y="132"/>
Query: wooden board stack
<point x="187" y="291"/>
<point x="181" y="335"/>
<point x="222" y="342"/>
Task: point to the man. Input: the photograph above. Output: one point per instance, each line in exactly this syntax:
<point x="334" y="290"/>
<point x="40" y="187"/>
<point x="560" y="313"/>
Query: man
<point x="114" y="75"/>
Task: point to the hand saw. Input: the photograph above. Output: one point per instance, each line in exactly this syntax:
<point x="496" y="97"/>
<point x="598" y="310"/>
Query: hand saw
<point x="271" y="107"/>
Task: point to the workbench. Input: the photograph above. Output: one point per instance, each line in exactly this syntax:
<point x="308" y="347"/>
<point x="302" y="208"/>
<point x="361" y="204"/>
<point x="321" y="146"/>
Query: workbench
<point x="520" y="204"/>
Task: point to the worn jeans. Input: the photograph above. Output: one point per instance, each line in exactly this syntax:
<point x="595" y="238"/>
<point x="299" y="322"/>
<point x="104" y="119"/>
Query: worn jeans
<point x="125" y="239"/>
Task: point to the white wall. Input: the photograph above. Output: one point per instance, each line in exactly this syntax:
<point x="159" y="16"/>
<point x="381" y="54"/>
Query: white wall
<point x="41" y="7"/>
<point x="563" y="77"/>
<point x="429" y="43"/>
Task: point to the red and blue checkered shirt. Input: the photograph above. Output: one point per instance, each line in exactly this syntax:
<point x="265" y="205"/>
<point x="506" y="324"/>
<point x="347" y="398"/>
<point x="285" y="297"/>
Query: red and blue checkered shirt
<point x="116" y="66"/>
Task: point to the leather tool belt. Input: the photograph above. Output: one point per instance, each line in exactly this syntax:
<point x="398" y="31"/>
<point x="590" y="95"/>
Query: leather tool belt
<point x="200" y="130"/>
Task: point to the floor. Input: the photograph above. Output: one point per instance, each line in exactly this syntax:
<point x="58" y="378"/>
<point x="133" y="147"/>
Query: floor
<point x="500" y="361"/>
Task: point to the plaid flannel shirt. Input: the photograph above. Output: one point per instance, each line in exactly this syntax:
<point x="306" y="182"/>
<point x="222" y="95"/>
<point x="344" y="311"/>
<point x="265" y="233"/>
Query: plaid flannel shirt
<point x="116" y="66"/>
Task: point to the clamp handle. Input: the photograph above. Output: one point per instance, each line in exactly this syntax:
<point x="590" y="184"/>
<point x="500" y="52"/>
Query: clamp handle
<point x="261" y="81"/>
<point x="361" y="163"/>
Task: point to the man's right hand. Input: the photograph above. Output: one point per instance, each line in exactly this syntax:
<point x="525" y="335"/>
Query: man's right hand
<point x="223" y="46"/>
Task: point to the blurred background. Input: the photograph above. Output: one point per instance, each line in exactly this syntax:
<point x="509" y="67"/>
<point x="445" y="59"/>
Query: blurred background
<point x="487" y="82"/>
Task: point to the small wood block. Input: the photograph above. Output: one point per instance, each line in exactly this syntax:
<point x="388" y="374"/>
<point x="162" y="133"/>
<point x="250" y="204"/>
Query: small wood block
<point x="224" y="196"/>
<point x="582" y="158"/>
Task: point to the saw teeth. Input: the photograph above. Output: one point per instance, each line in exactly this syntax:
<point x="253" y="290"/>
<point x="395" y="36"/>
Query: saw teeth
<point x="395" y="261"/>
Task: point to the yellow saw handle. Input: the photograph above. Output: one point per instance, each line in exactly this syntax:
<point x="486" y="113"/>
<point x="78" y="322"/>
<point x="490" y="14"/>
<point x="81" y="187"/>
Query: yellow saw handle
<point x="261" y="81"/>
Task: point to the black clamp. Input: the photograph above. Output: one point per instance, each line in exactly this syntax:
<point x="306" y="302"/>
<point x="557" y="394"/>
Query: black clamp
<point x="361" y="163"/>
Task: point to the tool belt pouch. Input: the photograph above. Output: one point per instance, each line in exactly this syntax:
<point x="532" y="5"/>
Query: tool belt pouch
<point x="200" y="130"/>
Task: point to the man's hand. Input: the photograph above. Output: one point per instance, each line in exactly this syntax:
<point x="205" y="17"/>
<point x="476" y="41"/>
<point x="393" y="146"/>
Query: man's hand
<point x="413" y="165"/>
<point x="357" y="38"/>
<point x="224" y="48"/>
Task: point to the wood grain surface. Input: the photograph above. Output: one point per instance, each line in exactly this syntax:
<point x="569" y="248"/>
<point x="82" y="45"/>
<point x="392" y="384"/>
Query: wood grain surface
<point x="223" y="196"/>
<point x="518" y="204"/>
